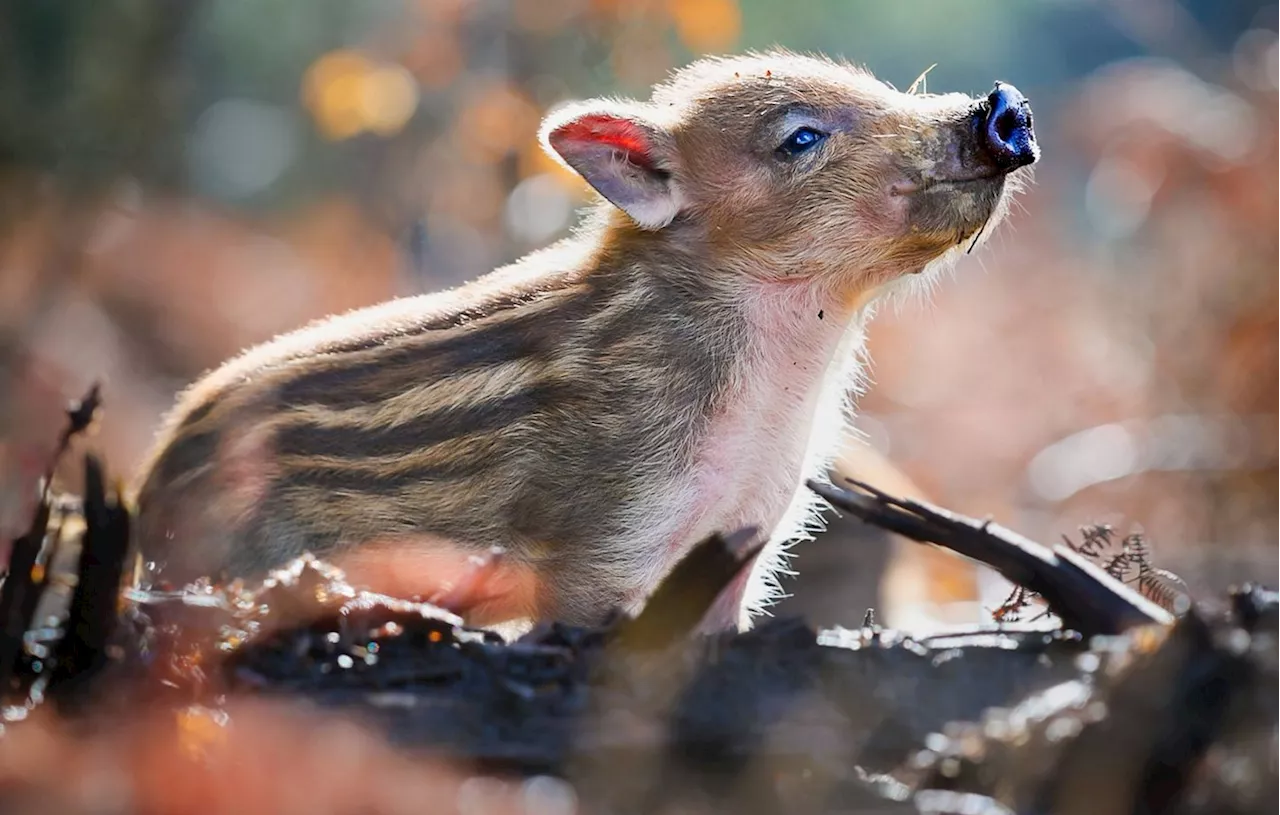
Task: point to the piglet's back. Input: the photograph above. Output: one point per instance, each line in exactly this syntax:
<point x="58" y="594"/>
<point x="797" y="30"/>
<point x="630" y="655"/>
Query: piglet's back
<point x="419" y="390"/>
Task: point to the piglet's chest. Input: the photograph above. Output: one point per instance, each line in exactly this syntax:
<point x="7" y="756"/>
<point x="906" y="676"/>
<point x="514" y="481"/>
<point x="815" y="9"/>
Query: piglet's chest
<point x="777" y="421"/>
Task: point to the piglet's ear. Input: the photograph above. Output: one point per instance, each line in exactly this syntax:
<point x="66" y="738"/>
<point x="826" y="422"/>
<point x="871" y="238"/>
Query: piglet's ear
<point x="624" y="155"/>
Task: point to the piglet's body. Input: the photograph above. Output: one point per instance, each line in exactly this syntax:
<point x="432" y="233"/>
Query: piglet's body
<point x="676" y="368"/>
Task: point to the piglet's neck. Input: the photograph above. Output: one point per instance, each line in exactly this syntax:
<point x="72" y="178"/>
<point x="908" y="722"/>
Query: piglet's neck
<point x="806" y="313"/>
<point x="797" y="324"/>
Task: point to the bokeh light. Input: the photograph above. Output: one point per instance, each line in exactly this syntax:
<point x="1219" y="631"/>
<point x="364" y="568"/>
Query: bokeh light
<point x="347" y="94"/>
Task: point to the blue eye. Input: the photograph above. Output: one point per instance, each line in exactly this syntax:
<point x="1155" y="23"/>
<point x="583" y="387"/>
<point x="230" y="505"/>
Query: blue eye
<point x="801" y="141"/>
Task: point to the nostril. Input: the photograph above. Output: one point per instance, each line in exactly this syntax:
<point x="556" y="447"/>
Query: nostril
<point x="1006" y="123"/>
<point x="1008" y="133"/>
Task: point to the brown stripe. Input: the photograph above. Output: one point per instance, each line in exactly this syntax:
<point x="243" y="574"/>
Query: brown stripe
<point x="370" y="375"/>
<point x="505" y="303"/>
<point x="459" y="458"/>
<point x="320" y="517"/>
<point x="351" y="479"/>
<point x="427" y="430"/>
<point x="184" y="456"/>
<point x="458" y="389"/>
<point x="197" y="415"/>
<point x="620" y="323"/>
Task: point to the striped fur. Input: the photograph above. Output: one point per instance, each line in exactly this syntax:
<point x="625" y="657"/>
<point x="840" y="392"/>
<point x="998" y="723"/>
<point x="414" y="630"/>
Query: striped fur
<point x="496" y="428"/>
<point x="597" y="407"/>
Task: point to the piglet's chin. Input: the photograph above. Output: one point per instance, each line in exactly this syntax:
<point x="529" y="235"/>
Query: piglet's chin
<point x="951" y="210"/>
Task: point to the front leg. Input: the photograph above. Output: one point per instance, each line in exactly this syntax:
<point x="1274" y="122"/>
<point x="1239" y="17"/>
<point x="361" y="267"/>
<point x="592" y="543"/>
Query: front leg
<point x="485" y="588"/>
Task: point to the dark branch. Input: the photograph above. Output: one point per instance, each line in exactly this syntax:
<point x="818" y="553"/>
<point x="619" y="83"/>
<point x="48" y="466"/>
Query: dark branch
<point x="91" y="618"/>
<point x="1085" y="597"/>
<point x="21" y="587"/>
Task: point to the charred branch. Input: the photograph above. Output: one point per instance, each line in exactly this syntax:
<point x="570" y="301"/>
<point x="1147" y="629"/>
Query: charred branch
<point x="1081" y="594"/>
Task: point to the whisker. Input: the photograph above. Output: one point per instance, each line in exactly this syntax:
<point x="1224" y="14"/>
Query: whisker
<point x="976" y="237"/>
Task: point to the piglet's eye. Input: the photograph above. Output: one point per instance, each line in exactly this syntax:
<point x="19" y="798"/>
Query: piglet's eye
<point x="802" y="140"/>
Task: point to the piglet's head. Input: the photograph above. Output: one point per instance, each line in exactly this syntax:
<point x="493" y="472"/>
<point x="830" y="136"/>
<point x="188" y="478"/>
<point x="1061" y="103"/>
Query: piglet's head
<point x="780" y="166"/>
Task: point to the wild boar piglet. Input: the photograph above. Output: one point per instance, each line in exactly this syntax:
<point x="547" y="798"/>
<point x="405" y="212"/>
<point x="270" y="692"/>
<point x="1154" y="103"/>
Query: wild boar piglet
<point x="677" y="367"/>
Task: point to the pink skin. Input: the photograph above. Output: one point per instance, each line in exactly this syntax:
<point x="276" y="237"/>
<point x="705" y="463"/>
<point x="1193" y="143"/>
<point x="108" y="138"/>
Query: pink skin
<point x="245" y="464"/>
<point x="757" y="452"/>
<point x="727" y="609"/>
<point x="482" y="588"/>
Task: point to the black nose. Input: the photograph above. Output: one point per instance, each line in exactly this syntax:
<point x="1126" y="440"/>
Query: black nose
<point x="1007" y="131"/>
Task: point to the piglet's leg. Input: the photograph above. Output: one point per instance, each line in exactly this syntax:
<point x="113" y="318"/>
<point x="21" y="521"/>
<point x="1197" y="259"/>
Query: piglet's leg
<point x="472" y="582"/>
<point x="483" y="588"/>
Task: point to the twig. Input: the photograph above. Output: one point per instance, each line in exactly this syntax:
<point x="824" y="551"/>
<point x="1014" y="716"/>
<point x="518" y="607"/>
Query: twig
<point x="93" y="613"/>
<point x="18" y="585"/>
<point x="80" y="415"/>
<point x="1083" y="596"/>
<point x="20" y="592"/>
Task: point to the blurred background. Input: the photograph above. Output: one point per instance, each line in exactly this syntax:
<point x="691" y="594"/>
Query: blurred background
<point x="181" y="179"/>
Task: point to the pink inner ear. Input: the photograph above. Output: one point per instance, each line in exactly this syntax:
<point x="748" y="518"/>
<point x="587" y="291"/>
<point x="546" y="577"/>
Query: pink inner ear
<point x="612" y="131"/>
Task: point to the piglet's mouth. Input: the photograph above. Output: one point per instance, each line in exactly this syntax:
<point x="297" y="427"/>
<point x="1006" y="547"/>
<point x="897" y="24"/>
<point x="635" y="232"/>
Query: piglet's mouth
<point x="912" y="187"/>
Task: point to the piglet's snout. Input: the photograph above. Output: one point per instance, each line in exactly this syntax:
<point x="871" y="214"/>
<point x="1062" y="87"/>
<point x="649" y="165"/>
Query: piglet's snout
<point x="1005" y="128"/>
